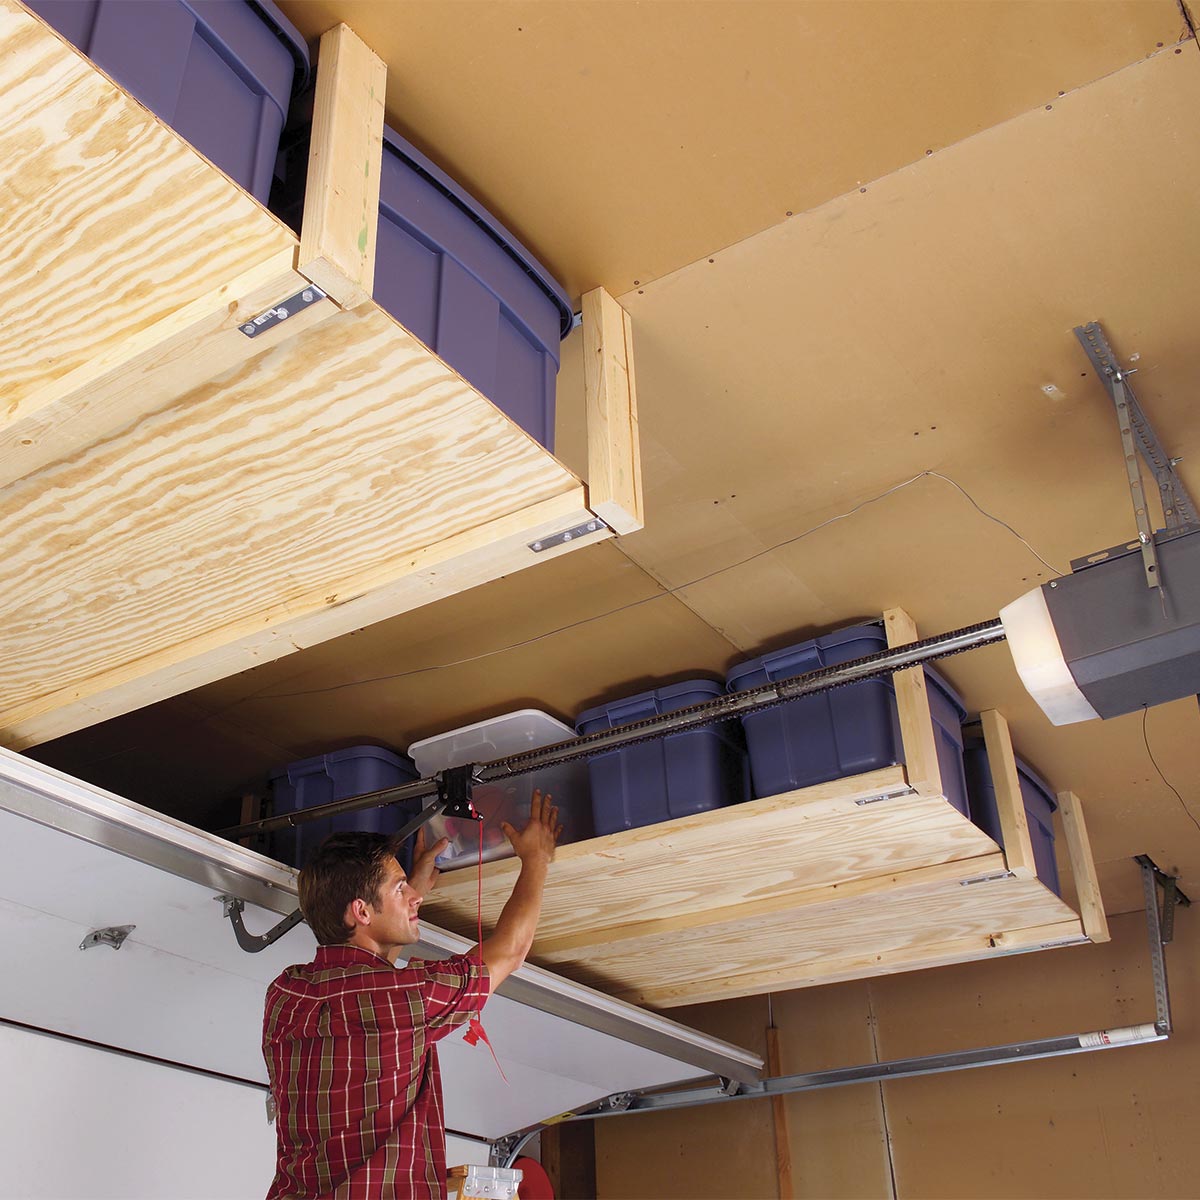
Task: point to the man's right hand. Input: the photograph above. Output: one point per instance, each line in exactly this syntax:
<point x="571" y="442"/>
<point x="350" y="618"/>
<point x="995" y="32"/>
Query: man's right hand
<point x="512" y="938"/>
<point x="536" y="842"/>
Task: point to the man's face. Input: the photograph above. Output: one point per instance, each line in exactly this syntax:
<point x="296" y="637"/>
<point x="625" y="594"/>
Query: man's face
<point x="394" y="918"/>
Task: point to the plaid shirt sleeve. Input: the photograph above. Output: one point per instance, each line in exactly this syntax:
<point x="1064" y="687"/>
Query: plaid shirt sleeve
<point x="452" y="991"/>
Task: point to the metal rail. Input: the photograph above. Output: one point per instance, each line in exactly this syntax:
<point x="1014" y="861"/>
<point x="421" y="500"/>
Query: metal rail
<point x="767" y="695"/>
<point x="506" y="1149"/>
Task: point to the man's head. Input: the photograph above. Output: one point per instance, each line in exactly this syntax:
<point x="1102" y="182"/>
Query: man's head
<point x="353" y="891"/>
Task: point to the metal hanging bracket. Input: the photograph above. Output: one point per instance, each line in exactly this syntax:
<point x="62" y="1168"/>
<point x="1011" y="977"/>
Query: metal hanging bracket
<point x="250" y="942"/>
<point x="1161" y="927"/>
<point x="1137" y="435"/>
<point x="113" y="935"/>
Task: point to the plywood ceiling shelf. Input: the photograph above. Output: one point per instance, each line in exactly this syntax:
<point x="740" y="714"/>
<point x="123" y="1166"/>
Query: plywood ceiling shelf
<point x="182" y="502"/>
<point x="862" y="876"/>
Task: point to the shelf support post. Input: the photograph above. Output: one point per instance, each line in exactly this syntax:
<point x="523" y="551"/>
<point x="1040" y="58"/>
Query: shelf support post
<point x="1083" y="868"/>
<point x="339" y="232"/>
<point x="614" y="452"/>
<point x="912" y="705"/>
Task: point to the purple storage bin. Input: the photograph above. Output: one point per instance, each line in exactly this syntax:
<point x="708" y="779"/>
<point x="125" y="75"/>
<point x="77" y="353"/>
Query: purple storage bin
<point x="674" y="776"/>
<point x="456" y="278"/>
<point x="1040" y="807"/>
<point x="340" y="775"/>
<point x="846" y="731"/>
<point x="219" y="72"/>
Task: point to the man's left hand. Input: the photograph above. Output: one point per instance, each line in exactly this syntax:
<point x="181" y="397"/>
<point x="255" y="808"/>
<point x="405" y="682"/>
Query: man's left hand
<point x="425" y="874"/>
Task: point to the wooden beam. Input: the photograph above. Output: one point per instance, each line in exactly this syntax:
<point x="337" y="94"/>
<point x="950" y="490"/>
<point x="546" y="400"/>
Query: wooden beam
<point x="783" y="1144"/>
<point x="912" y="705"/>
<point x="1006" y="783"/>
<point x="1083" y="868"/>
<point x="339" y="235"/>
<point x="614" y="452"/>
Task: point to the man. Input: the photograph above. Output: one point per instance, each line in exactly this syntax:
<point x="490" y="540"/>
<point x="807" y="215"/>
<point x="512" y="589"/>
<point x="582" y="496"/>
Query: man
<point x="349" y="1038"/>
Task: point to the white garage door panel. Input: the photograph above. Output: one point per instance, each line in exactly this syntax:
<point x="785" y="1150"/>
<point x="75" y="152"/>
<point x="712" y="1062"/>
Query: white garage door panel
<point x="84" y="1124"/>
<point x="181" y="989"/>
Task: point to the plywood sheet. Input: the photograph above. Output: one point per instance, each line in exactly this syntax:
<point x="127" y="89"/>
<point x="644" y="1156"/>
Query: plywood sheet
<point x="832" y="889"/>
<point x="110" y="223"/>
<point x="691" y="869"/>
<point x="331" y="464"/>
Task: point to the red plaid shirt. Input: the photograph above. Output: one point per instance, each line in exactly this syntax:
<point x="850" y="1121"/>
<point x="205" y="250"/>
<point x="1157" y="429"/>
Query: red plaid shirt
<point x="348" y="1040"/>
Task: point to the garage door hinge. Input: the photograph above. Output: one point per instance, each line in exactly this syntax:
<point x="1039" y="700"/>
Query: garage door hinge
<point x="113" y="936"/>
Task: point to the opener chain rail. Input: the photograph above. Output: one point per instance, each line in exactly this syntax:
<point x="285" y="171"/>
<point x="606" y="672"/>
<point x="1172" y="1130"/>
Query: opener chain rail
<point x="768" y="695"/>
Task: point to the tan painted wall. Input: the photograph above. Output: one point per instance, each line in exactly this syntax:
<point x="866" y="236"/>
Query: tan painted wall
<point x="1118" y="1123"/>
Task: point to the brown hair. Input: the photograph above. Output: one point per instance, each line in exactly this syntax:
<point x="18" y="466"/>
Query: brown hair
<point x="343" y="868"/>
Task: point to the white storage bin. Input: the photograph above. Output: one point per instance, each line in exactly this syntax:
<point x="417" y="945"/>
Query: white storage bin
<point x="507" y="799"/>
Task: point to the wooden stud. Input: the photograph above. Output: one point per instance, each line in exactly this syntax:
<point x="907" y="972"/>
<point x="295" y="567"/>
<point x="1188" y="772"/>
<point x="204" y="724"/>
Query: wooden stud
<point x="912" y="704"/>
<point x="338" y="237"/>
<point x="614" y="453"/>
<point x="783" y="1145"/>
<point x="1083" y="868"/>
<point x="1006" y="783"/>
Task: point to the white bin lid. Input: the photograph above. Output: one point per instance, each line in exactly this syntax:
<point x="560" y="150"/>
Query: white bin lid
<point x="497" y="737"/>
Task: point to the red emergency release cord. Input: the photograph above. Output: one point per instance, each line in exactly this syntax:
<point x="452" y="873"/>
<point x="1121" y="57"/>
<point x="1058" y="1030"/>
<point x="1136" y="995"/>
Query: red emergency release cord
<point x="475" y="1029"/>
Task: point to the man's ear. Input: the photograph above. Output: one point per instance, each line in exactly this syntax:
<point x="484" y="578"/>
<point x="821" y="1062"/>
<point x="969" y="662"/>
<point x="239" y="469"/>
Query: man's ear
<point x="358" y="912"/>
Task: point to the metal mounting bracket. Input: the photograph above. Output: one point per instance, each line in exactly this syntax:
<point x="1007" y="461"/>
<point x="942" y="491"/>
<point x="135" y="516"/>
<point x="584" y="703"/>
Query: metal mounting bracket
<point x="898" y="794"/>
<point x="994" y="877"/>
<point x="1161" y="928"/>
<point x="250" y="942"/>
<point x="594" y="525"/>
<point x="455" y="785"/>
<point x="1178" y="509"/>
<point x="281" y="311"/>
<point x="113" y="935"/>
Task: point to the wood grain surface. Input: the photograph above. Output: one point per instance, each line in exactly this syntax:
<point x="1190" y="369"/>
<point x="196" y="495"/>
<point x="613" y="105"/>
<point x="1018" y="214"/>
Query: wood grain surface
<point x="293" y="483"/>
<point x="109" y="222"/>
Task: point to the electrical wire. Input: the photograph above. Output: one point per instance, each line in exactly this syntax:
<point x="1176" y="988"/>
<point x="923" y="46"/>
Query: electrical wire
<point x="1182" y="802"/>
<point x="741" y="562"/>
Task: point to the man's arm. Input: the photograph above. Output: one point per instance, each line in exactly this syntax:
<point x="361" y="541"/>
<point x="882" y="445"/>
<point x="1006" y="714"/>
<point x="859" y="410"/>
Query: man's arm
<point x="510" y="941"/>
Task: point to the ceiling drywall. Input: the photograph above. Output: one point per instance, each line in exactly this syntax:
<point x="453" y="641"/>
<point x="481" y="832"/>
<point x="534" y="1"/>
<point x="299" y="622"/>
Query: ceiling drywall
<point x="912" y="315"/>
<point x="621" y="140"/>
